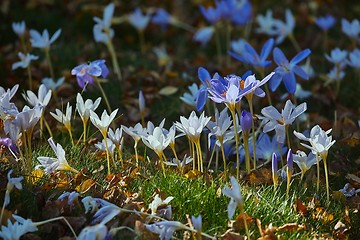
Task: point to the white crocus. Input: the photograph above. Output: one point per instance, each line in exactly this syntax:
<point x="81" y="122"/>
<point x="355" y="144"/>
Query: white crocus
<point x="42" y="99"/>
<point x="235" y="196"/>
<point x="24" y="60"/>
<point x="84" y="108"/>
<point x="192" y="126"/>
<point x="96" y="232"/>
<point x="273" y="120"/>
<point x="102" y="146"/>
<point x="103" y="124"/>
<point x="64" y="118"/>
<point x="157" y="202"/>
<point x="304" y="161"/>
<point x="14" y="231"/>
<point x="50" y="164"/>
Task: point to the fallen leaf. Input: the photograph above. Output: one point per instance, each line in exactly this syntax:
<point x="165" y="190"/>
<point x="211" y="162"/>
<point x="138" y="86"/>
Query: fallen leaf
<point x="340" y="230"/>
<point x="85" y="186"/>
<point x="300" y="207"/>
<point x="192" y="174"/>
<point x="291" y="227"/>
<point x="239" y="222"/>
<point x="168" y="90"/>
<point x="229" y="235"/>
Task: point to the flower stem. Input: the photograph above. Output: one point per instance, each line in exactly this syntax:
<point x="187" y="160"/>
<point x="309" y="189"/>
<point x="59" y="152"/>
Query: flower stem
<point x="253" y="131"/>
<point x="104" y="95"/>
<point x="47" y="54"/>
<point x="327" y="181"/>
<point x="287" y="136"/>
<point x="55" y="219"/>
<point x="318" y="173"/>
<point x="84" y="126"/>
<point x="114" y="60"/>
<point x="142" y="41"/>
<point x="245" y="223"/>
<point x="29" y="76"/>
<point x="136" y="152"/>
<point x="107" y="153"/>
<point x="233" y="114"/>
<point x="294" y="42"/>
<point x="223" y="156"/>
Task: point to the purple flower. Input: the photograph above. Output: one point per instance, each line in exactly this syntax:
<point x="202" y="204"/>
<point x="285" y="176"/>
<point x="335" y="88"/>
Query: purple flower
<point x="289" y="161"/>
<point x="325" y="23"/>
<point x="202" y="94"/>
<point x="286" y="70"/>
<point x="211" y="14"/>
<point x="245" y="121"/>
<point x="250" y="56"/>
<point x="86" y="72"/>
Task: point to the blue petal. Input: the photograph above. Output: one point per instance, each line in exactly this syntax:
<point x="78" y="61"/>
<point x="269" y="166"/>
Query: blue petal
<point x="204" y="75"/>
<point x="201" y="99"/>
<point x="238" y="57"/>
<point x="290" y="82"/>
<point x="250" y="50"/>
<point x="279" y="57"/>
<point x="300" y="56"/>
<point x="245" y="75"/>
<point x="265" y="51"/>
<point x="300" y="72"/>
<point x="275" y="81"/>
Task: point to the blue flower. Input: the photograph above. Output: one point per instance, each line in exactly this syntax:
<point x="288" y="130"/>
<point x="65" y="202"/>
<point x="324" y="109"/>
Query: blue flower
<point x="266" y="24"/>
<point x="24" y="60"/>
<point x="202" y="94"/>
<point x="236" y="12"/>
<point x="286" y="70"/>
<point x="238" y="46"/>
<point x="352" y="29"/>
<point x="190" y="98"/>
<point x="326" y="22"/>
<point x="102" y="30"/>
<point x="86" y="72"/>
<point x="161" y="17"/>
<point x="337" y="56"/>
<point x="42" y="41"/>
<point x="354" y="58"/>
<point x="266" y="147"/>
<point x="250" y="56"/>
<point x="211" y="14"/>
<point x="203" y="35"/>
<point x="51" y="84"/>
<point x="284" y="29"/>
<point x="19" y="28"/>
<point x="139" y="20"/>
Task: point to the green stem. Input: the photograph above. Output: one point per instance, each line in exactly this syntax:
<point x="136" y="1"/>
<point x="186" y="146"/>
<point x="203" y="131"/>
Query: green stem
<point x="84" y="126"/>
<point x="233" y="114"/>
<point x="246" y="148"/>
<point x="114" y="60"/>
<point x="327" y="182"/>
<point x="107" y="153"/>
<point x="29" y="76"/>
<point x="47" y="54"/>
<point x="223" y="156"/>
<point x="55" y="219"/>
<point x="104" y="95"/>
<point x="318" y="173"/>
<point x="253" y="130"/>
<point x="245" y="223"/>
<point x="136" y="153"/>
<point x="287" y="136"/>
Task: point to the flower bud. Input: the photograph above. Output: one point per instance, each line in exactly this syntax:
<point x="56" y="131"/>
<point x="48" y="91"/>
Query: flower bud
<point x="245" y="121"/>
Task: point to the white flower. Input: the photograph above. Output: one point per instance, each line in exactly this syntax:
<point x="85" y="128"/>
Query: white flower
<point x="19" y="28"/>
<point x="135" y="132"/>
<point x="102" y="146"/>
<point x="12" y="182"/>
<point x="116" y="137"/>
<point x="24" y="60"/>
<point x="42" y="99"/>
<point x="220" y="126"/>
<point x="106" y="213"/>
<point x="179" y="164"/>
<point x="157" y="202"/>
<point x="157" y="141"/>
<point x="51" y="84"/>
<point x="27" y="118"/>
<point x="238" y="46"/>
<point x="96" y="232"/>
<point x="103" y="123"/>
<point x="273" y="120"/>
<point x="235" y="196"/>
<point x="84" y="108"/>
<point x="166" y="229"/>
<point x="42" y="41"/>
<point x="337" y="56"/>
<point x="193" y="126"/>
<point x="90" y="204"/>
<point x="190" y="98"/>
<point x="52" y="164"/>
<point x="266" y="23"/>
<point x="13" y="231"/>
<point x="139" y="20"/>
<point x="63" y="118"/>
<point x="319" y="141"/>
<point x="197" y="222"/>
<point x="11" y="91"/>
<point x="304" y="161"/>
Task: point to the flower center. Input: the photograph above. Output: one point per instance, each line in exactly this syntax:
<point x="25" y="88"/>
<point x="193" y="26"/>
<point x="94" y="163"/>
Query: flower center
<point x="242" y="84"/>
<point x="281" y="121"/>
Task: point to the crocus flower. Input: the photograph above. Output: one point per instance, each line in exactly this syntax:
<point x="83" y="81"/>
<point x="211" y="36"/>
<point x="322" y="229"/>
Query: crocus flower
<point x="197" y="222"/>
<point x="202" y="94"/>
<point x="19" y="28"/>
<point x="266" y="23"/>
<point x="286" y="28"/>
<point x="42" y="41"/>
<point x="12" y="182"/>
<point x="325" y="22"/>
<point x="64" y="118"/>
<point x="212" y="14"/>
<point x="7" y="142"/>
<point x="250" y="56"/>
<point x="334" y="75"/>
<point x="266" y="147"/>
<point x="192" y="126"/>
<point x="165" y="229"/>
<point x="220" y="126"/>
<point x="84" y="108"/>
<point x="238" y="46"/>
<point x="274" y="168"/>
<point x="273" y="120"/>
<point x="304" y="161"/>
<point x="24" y="60"/>
<point x="51" y="84"/>
<point x="300" y="93"/>
<point x="161" y="17"/>
<point x="106" y="144"/>
<point x="158" y="202"/>
<point x="95" y="232"/>
<point x="235" y="196"/>
<point x="139" y="20"/>
<point x="156" y="141"/>
<point x="51" y="164"/>
<point x="337" y="56"/>
<point x="11" y="92"/>
<point x="106" y="212"/>
<point x="27" y="118"/>
<point x="104" y="122"/>
<point x="203" y="35"/>
<point x="351" y="29"/>
<point x="14" y="231"/>
<point x="349" y="192"/>
<point x="190" y="97"/>
<point x="246" y="121"/>
<point x="86" y="72"/>
<point x="354" y="58"/>
<point x="286" y="70"/>
<point x="43" y="98"/>
<point x="71" y="197"/>
<point x="319" y="141"/>
<point x="90" y="204"/>
<point x="116" y="137"/>
<point x="141" y="102"/>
